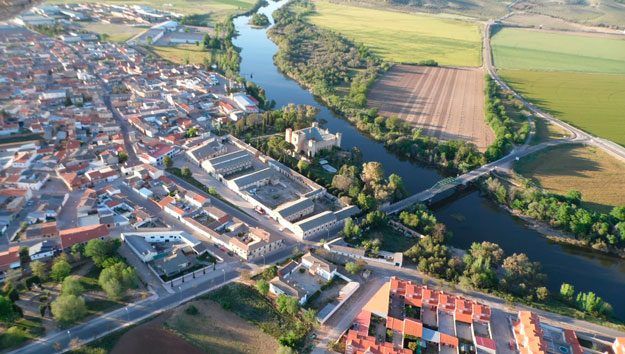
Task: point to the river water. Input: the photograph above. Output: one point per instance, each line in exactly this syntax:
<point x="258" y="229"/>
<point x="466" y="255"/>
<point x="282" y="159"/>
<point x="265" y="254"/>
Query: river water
<point x="471" y="217"/>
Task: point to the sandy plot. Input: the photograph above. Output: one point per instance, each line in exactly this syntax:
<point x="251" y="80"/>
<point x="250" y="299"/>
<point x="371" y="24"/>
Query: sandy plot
<point x="447" y="103"/>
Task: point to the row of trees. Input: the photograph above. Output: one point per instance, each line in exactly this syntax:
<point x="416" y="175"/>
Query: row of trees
<point x="269" y="122"/>
<point x="486" y="267"/>
<point x="601" y="231"/>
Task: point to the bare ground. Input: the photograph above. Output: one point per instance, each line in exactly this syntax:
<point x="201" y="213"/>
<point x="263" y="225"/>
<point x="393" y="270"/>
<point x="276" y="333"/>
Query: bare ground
<point x="447" y="103"/>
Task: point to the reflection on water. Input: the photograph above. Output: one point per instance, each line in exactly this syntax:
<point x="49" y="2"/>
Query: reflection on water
<point x="471" y="218"/>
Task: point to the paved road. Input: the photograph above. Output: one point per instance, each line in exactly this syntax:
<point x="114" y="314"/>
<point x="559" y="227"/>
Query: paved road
<point x="113" y="321"/>
<point x="608" y="146"/>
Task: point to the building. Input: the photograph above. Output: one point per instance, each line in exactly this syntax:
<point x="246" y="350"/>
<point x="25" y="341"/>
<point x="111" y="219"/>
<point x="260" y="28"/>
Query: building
<point x="619" y="345"/>
<point x="228" y="164"/>
<point x="141" y="242"/>
<point x="534" y="337"/>
<point x="46" y="229"/>
<point x="10" y="259"/>
<point x="42" y="250"/>
<point x="254" y="243"/>
<point x="416" y="317"/>
<point x="309" y="141"/>
<point x="318" y="266"/>
<point x="70" y="237"/>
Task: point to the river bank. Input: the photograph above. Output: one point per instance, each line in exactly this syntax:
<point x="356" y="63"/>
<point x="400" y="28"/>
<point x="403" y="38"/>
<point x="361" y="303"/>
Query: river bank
<point x="471" y="217"/>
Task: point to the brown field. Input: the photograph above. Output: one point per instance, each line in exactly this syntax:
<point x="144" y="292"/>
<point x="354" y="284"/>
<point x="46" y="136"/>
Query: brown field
<point x="447" y="103"/>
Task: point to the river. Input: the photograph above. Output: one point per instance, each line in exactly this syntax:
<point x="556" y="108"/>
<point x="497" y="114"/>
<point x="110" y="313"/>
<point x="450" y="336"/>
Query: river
<point x="471" y="217"/>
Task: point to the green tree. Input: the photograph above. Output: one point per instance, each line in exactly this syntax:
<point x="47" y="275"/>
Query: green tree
<point x="60" y="269"/>
<point x="542" y="293"/>
<point x="7" y="310"/>
<point x="168" y="162"/>
<point x="68" y="309"/>
<point x="39" y="269"/>
<point x="186" y="172"/>
<point x="24" y="256"/>
<point x="303" y="165"/>
<point x="287" y="304"/>
<point x="355" y="267"/>
<point x="72" y="286"/>
<point x="116" y="279"/>
<point x="262" y="286"/>
<point x="567" y="291"/>
<point x="122" y="157"/>
<point x="99" y="250"/>
<point x="591" y="303"/>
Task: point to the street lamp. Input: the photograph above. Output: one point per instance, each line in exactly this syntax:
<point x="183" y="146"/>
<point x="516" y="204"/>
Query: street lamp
<point x="224" y="270"/>
<point x="127" y="315"/>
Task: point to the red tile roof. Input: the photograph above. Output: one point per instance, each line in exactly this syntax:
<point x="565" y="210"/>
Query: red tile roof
<point x="70" y="237"/>
<point x="9" y="256"/>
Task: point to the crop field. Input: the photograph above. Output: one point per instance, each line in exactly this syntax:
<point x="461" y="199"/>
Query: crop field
<point x="597" y="175"/>
<point x="528" y="49"/>
<point x="592" y="102"/>
<point x="402" y="37"/>
<point x="447" y="103"/>
<point x="182" y="54"/>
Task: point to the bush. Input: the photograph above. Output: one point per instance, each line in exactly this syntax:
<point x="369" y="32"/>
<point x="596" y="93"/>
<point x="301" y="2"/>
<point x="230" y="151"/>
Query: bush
<point x="68" y="309"/>
<point x="191" y="310"/>
<point x="13" y="337"/>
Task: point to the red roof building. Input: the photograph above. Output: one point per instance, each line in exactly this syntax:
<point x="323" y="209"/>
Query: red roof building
<point x="70" y="237"/>
<point x="10" y="259"/>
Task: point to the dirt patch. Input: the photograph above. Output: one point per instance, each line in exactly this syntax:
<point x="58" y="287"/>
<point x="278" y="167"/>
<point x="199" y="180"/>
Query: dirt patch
<point x="151" y="337"/>
<point x="447" y="103"/>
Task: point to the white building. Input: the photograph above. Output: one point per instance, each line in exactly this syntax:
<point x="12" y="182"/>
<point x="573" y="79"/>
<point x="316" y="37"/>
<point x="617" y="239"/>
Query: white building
<point x="309" y="141"/>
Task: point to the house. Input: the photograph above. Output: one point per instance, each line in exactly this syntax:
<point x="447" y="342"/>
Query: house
<point x="254" y="243"/>
<point x="228" y="164"/>
<point x="317" y="266"/>
<point x="141" y="242"/>
<point x="46" y="229"/>
<point x="313" y="139"/>
<point x="10" y="259"/>
<point x="70" y="237"/>
<point x="42" y="250"/>
<point x="619" y="345"/>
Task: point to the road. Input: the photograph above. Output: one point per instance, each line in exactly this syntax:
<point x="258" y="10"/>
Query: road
<point x="124" y="317"/>
<point x="577" y="134"/>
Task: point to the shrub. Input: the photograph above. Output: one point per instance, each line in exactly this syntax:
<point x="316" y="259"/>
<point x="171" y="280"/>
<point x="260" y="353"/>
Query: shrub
<point x="191" y="310"/>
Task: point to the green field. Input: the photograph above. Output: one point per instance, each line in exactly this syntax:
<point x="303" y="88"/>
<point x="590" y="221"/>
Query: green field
<point x="182" y="54"/>
<point x="525" y="49"/>
<point x="403" y="37"/>
<point x="592" y="102"/>
<point x="218" y="9"/>
<point x="115" y="32"/>
<point x="596" y="174"/>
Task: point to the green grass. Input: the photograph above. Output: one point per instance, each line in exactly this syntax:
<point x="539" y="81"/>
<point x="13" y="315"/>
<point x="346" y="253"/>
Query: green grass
<point x="23" y="330"/>
<point x="115" y="32"/>
<point x="592" y="102"/>
<point x="182" y="54"/>
<point x="597" y="175"/>
<point x="403" y="37"/>
<point x="392" y="241"/>
<point x="525" y="49"/>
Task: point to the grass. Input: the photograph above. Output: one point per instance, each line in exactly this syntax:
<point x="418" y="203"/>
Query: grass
<point x="546" y="131"/>
<point x="524" y="49"/>
<point x="227" y="333"/>
<point x="115" y="32"/>
<point x="24" y="329"/>
<point x="592" y="102"/>
<point x="597" y="175"/>
<point x="403" y="37"/>
<point x="218" y="9"/>
<point x="392" y="241"/>
<point x="182" y="54"/>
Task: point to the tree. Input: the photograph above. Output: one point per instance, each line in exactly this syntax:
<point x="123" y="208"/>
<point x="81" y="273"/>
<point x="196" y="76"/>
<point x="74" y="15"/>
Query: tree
<point x="574" y="197"/>
<point x="72" y="286"/>
<point x="122" y="157"/>
<point x="24" y="256"/>
<point x="39" y="269"/>
<point x="168" y="162"/>
<point x="7" y="310"/>
<point x="78" y="250"/>
<point x="542" y="293"/>
<point x="287" y="304"/>
<point x="522" y="276"/>
<point x="372" y="173"/>
<point x="591" y="303"/>
<point x="480" y="264"/>
<point x="567" y="291"/>
<point x="60" y="269"/>
<point x="302" y="165"/>
<point x="99" y="250"/>
<point x="68" y="309"/>
<point x="262" y="286"/>
<point x="355" y="267"/>
<point x="185" y="172"/>
<point x="116" y="279"/>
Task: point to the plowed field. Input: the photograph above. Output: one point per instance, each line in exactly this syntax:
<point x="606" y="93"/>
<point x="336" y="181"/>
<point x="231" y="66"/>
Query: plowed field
<point x="447" y="103"/>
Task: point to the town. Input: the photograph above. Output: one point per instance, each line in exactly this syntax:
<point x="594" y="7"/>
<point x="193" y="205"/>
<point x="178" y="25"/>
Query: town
<point x="141" y="194"/>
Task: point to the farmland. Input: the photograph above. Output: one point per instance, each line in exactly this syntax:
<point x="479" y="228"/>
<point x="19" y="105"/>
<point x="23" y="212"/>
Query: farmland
<point x="182" y="54"/>
<point x="597" y="175"/>
<point x="447" y="103"/>
<point x="402" y="37"/>
<point x="527" y="49"/>
<point x="592" y="102"/>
